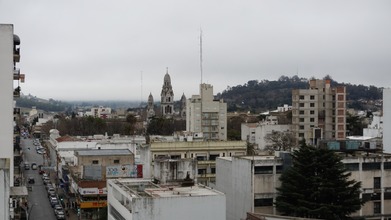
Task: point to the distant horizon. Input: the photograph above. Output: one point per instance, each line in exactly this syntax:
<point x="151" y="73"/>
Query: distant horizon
<point x="146" y="99"/>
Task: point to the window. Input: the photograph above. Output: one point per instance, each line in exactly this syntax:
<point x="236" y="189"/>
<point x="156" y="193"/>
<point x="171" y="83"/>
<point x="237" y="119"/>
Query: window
<point x="201" y="158"/>
<point x="301" y="134"/>
<point x="213" y="170"/>
<point x="312" y="104"/>
<point x="312" y="97"/>
<point x="301" y="97"/>
<point x="263" y="202"/>
<point x="301" y="112"/>
<point x="116" y="161"/>
<point x="312" y="112"/>
<point x="301" y="127"/>
<point x="376" y="207"/>
<point x="312" y="119"/>
<point x="263" y="170"/>
<point x="351" y="166"/>
<point x="371" y="166"/>
<point x="95" y="162"/>
<point x="387" y="165"/>
<point x="278" y="169"/>
<point x="376" y="182"/>
<point x="301" y="104"/>
<point x="213" y="156"/>
<point x="301" y="119"/>
<point x="201" y="171"/>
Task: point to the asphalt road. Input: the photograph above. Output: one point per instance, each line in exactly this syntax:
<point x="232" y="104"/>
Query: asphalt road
<point x="38" y="202"/>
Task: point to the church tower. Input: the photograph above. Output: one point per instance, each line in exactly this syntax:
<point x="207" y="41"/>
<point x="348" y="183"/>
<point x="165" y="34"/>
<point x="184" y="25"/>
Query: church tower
<point x="167" y="97"/>
<point x="150" y="107"/>
<point x="183" y="106"/>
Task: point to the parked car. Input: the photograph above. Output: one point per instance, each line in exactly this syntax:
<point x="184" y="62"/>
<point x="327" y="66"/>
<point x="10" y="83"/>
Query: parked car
<point x="58" y="208"/>
<point x="26" y="165"/>
<point x="51" y="190"/>
<point x="54" y="201"/>
<point x="45" y="175"/>
<point x="41" y="151"/>
<point x="52" y="194"/>
<point x="47" y="182"/>
<point x="60" y="215"/>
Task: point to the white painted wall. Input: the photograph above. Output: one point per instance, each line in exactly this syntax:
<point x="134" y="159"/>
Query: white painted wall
<point x="375" y="129"/>
<point x="6" y="116"/>
<point x="237" y="186"/>
<point x="387" y="120"/>
<point x="258" y="133"/>
<point x="189" y="208"/>
<point x="196" y="207"/>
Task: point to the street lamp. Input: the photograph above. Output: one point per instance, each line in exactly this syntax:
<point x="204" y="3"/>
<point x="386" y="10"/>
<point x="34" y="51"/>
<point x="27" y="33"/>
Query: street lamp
<point x="29" y="211"/>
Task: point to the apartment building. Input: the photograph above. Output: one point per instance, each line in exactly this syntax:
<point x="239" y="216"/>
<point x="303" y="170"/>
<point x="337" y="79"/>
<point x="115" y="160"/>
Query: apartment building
<point x="204" y="152"/>
<point x="87" y="178"/>
<point x="250" y="182"/>
<point x="387" y="120"/>
<point x="207" y="116"/>
<point x="139" y="199"/>
<point x="255" y="133"/>
<point x="10" y="77"/>
<point x="319" y="112"/>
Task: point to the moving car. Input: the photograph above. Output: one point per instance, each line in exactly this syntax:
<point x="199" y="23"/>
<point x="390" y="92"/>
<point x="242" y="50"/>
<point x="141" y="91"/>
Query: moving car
<point x="34" y="166"/>
<point x="31" y="180"/>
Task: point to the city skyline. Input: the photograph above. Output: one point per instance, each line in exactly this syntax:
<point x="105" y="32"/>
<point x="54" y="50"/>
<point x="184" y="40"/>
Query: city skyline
<point x="96" y="50"/>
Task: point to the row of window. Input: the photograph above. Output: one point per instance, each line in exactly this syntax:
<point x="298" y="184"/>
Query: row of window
<point x="341" y="97"/>
<point x="266" y="169"/>
<point x="367" y="166"/>
<point x="97" y="162"/>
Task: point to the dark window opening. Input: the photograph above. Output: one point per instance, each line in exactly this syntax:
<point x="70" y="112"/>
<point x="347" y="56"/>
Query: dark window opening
<point x="263" y="202"/>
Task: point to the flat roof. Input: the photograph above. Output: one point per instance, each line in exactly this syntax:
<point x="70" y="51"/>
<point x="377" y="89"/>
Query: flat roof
<point x="18" y="191"/>
<point x="146" y="188"/>
<point x="104" y="152"/>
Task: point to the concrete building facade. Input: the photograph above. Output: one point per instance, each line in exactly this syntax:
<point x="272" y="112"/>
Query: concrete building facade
<point x="6" y="116"/>
<point x="387" y="120"/>
<point x="250" y="183"/>
<point x="139" y="199"/>
<point x="255" y="133"/>
<point x="207" y="116"/>
<point x="9" y="56"/>
<point x="319" y="112"/>
<point x="204" y="152"/>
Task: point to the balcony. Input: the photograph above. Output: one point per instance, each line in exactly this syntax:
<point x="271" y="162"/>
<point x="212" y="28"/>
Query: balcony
<point x="206" y="162"/>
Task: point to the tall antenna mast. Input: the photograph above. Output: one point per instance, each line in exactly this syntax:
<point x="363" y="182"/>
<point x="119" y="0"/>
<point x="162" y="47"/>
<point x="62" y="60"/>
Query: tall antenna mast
<point x="201" y="53"/>
<point x="141" y="94"/>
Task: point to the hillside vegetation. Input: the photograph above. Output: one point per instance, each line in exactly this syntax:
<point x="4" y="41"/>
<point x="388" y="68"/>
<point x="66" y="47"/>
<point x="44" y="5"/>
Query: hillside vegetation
<point x="257" y="96"/>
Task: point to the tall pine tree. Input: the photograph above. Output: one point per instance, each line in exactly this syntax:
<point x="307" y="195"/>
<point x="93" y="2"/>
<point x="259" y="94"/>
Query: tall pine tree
<point x="317" y="185"/>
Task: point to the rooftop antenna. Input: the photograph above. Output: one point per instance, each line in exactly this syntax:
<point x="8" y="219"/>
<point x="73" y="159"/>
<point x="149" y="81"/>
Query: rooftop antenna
<point x="141" y="98"/>
<point x="201" y="53"/>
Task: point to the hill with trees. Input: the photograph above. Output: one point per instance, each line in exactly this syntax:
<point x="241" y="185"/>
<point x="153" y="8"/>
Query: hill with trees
<point x="257" y="96"/>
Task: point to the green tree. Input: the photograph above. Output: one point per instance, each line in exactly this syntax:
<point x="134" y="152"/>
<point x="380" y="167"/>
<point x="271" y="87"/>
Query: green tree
<point x="317" y="185"/>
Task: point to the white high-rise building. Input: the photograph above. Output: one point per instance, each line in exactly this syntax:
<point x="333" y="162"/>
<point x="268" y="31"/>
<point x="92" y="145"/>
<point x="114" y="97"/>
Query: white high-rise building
<point x="387" y="120"/>
<point x="207" y="116"/>
<point x="9" y="55"/>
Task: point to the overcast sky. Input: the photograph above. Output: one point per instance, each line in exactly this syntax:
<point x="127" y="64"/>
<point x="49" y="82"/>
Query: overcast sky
<point x="105" y="50"/>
